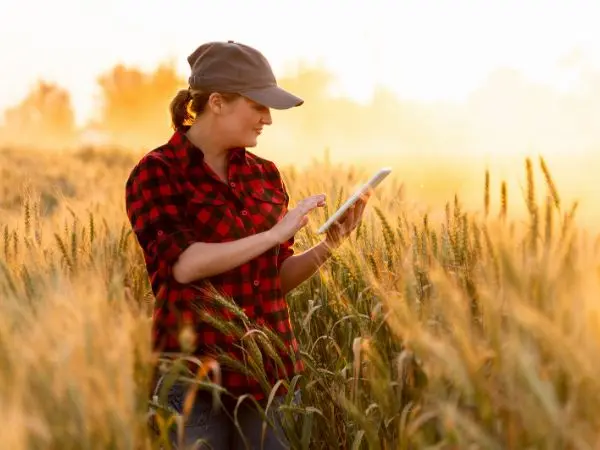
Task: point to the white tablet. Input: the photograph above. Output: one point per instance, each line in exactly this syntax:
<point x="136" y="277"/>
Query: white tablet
<point x="371" y="184"/>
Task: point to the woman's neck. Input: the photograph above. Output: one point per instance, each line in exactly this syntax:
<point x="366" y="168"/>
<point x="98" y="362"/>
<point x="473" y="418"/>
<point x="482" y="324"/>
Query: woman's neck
<point x="215" y="153"/>
<point x="200" y="135"/>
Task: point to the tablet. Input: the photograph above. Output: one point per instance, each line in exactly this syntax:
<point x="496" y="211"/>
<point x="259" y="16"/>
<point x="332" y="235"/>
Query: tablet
<point x="371" y="184"/>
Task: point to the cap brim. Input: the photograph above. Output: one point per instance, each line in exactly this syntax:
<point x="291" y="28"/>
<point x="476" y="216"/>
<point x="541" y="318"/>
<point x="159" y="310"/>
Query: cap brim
<point x="274" y="97"/>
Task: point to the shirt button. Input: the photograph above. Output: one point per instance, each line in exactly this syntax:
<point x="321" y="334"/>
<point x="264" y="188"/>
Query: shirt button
<point x="244" y="212"/>
<point x="160" y="232"/>
<point x="232" y="184"/>
<point x="256" y="282"/>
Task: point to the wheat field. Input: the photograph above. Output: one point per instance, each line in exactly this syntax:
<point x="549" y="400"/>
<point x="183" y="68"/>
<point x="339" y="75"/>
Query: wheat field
<point x="451" y="329"/>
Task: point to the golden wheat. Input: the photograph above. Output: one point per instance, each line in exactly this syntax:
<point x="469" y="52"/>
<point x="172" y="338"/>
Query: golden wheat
<point x="457" y="332"/>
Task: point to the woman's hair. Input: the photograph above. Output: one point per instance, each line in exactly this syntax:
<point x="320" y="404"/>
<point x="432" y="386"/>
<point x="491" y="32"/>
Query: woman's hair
<point x="186" y="106"/>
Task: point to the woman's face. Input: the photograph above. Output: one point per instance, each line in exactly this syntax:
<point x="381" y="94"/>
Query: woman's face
<point x="241" y="121"/>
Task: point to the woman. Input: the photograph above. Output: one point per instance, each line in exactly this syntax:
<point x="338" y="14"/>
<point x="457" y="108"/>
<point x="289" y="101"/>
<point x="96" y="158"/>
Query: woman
<point x="206" y="210"/>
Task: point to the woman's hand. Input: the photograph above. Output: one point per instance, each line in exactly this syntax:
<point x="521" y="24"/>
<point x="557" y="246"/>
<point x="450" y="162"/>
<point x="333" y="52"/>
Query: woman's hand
<point x="296" y="218"/>
<point x="346" y="224"/>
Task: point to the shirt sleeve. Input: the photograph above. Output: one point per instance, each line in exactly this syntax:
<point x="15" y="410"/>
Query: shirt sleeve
<point x="156" y="211"/>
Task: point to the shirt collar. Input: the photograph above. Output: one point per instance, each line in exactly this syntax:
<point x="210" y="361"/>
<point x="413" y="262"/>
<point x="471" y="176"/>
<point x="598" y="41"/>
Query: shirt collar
<point x="189" y="154"/>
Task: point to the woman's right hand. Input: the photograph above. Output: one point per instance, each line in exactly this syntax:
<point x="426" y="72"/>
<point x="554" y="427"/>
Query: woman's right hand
<point x="296" y="218"/>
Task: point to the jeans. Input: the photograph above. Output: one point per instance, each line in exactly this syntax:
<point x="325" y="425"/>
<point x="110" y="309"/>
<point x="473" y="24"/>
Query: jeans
<point x="206" y="428"/>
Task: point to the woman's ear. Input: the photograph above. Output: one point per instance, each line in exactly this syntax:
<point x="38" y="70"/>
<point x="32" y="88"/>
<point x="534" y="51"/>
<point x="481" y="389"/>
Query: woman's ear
<point x="215" y="103"/>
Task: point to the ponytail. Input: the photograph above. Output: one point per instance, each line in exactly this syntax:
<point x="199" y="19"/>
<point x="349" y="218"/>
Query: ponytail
<point x="180" y="114"/>
<point x="187" y="105"/>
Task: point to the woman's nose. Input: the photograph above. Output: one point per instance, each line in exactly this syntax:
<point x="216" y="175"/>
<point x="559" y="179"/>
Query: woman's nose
<point x="266" y="118"/>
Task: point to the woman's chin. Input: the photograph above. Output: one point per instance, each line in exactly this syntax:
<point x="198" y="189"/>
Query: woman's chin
<point x="252" y="142"/>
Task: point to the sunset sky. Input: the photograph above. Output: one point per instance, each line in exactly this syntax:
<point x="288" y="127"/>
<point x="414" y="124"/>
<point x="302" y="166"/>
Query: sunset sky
<point x="421" y="49"/>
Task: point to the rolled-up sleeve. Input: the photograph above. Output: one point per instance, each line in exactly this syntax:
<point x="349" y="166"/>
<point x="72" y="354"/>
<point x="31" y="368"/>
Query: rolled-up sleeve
<point x="156" y="211"/>
<point x="285" y="251"/>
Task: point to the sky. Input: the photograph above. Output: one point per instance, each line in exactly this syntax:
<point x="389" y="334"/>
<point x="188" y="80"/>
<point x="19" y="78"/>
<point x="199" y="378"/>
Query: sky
<point x="423" y="50"/>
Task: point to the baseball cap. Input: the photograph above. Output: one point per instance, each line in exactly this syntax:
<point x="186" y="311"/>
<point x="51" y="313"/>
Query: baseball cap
<point x="232" y="67"/>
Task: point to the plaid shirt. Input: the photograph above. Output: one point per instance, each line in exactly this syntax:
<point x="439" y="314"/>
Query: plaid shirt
<point x="174" y="199"/>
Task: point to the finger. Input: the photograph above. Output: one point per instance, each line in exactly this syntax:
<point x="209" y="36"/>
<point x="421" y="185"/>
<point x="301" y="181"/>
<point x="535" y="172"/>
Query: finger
<point x="364" y="198"/>
<point x="300" y="222"/>
<point x="312" y="203"/>
<point x="312" y="199"/>
<point x="356" y="219"/>
<point x="347" y="215"/>
<point x="361" y="209"/>
<point x="352" y="217"/>
<point x="335" y="230"/>
<point x="303" y="221"/>
<point x="343" y="217"/>
<point x="318" y="198"/>
<point x="357" y="222"/>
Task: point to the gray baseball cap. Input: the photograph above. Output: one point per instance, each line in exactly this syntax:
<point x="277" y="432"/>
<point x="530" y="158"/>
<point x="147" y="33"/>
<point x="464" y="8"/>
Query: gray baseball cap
<point x="231" y="67"/>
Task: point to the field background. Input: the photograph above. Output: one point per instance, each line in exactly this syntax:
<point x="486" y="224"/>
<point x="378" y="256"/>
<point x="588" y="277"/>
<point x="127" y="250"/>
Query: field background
<point x="463" y="314"/>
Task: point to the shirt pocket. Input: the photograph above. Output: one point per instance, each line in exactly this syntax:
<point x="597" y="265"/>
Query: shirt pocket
<point x="212" y="219"/>
<point x="269" y="206"/>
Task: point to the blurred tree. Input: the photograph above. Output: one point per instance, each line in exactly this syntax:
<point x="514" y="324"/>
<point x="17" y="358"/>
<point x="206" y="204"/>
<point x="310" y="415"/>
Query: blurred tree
<point x="45" y="118"/>
<point x="134" y="110"/>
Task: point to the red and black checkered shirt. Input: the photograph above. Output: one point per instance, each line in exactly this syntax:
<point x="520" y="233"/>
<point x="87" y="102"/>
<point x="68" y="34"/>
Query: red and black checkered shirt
<point x="174" y="199"/>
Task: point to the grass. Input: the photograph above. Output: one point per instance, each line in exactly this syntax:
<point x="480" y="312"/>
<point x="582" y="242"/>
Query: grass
<point x="439" y="329"/>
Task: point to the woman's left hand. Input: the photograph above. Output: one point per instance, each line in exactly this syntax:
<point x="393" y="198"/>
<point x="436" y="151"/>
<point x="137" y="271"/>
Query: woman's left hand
<point x="346" y="224"/>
